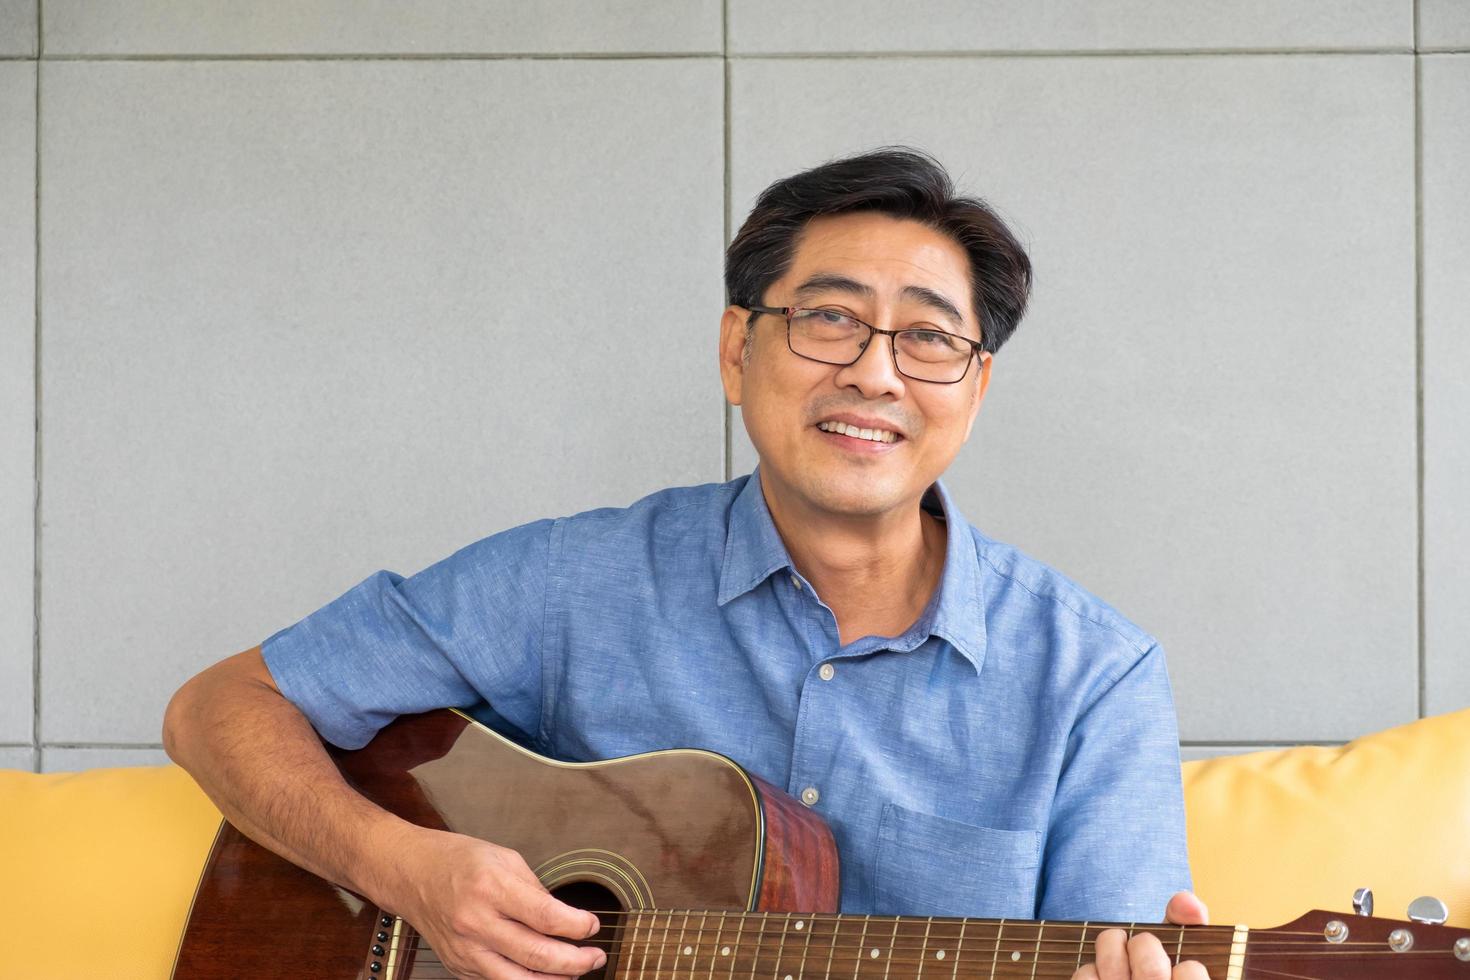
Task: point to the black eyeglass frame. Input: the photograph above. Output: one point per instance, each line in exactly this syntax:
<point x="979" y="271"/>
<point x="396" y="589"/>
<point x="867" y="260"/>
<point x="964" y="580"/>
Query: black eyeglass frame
<point x="976" y="348"/>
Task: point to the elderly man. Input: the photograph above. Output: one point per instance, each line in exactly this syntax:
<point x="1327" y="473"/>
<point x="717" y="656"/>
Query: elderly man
<point x="984" y="737"/>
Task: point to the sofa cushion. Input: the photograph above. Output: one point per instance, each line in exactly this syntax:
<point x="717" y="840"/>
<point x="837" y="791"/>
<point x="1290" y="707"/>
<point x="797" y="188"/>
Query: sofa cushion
<point x="97" y="869"/>
<point x="1275" y="834"/>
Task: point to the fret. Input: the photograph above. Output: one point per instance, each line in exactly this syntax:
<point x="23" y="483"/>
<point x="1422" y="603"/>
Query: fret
<point x="680" y="948"/>
<point x="1179" y="949"/>
<point x="760" y="944"/>
<point x="924" y="947"/>
<point x="832" y="947"/>
<point x="909" y="937"/>
<point x="1082" y="946"/>
<point x="714" y="950"/>
<point x="735" y="953"/>
<point x="811" y="927"/>
<point x="643" y="964"/>
<point x="695" y="947"/>
<point x="889" y="960"/>
<point x="663" y="945"/>
<point x="1036" y="953"/>
<point x="781" y="947"/>
<point x="995" y="957"/>
<point x="862" y="940"/>
<point x="959" y="947"/>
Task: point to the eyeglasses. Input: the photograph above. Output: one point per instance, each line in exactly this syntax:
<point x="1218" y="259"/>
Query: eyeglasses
<point x="920" y="353"/>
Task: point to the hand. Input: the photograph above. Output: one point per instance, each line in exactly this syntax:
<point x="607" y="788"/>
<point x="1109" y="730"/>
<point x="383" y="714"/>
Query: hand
<point x="484" y="912"/>
<point x="1143" y="956"/>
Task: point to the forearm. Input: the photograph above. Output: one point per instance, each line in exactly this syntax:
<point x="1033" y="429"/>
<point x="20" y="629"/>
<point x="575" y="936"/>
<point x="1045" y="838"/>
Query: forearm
<point x="260" y="761"/>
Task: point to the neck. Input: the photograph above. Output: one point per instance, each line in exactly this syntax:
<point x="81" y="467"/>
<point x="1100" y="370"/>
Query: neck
<point x="698" y="945"/>
<point x="875" y="572"/>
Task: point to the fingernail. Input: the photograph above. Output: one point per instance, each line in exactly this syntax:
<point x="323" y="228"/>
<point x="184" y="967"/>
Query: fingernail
<point x="601" y="961"/>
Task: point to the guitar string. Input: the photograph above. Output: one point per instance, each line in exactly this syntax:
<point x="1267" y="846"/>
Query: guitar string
<point x="1154" y="927"/>
<point x="757" y="945"/>
<point x="863" y="954"/>
<point x="982" y="944"/>
<point x="1001" y="971"/>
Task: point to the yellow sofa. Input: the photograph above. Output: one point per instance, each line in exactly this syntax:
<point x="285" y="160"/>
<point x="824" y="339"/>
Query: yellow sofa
<point x="97" y="869"/>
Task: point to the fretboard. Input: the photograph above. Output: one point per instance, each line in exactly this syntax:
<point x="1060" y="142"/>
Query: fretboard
<point x="701" y="945"/>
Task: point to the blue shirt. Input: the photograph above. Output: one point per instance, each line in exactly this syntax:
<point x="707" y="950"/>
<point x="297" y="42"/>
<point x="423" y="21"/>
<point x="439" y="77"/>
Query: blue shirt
<point x="1013" y="754"/>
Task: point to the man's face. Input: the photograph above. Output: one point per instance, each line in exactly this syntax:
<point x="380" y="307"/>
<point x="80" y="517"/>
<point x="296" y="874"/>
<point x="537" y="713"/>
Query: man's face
<point x="898" y="274"/>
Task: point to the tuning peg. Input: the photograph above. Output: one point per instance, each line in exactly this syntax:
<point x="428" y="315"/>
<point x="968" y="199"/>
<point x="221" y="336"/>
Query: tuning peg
<point x="1363" y="901"/>
<point x="1428" y="909"/>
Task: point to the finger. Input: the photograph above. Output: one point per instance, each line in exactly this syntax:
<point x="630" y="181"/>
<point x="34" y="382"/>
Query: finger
<point x="1111" y="947"/>
<point x="1191" y="970"/>
<point x="1087" y="971"/>
<point x="541" y="953"/>
<point x="1146" y="958"/>
<point x="487" y="964"/>
<point x="545" y="913"/>
<point x="1186" y="909"/>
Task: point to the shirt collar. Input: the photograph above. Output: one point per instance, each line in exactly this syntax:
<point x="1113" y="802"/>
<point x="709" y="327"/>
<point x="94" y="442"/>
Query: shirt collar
<point x="753" y="547"/>
<point x="754" y="551"/>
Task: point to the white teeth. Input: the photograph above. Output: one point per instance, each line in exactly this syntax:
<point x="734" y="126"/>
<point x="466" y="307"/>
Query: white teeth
<point x="872" y="435"/>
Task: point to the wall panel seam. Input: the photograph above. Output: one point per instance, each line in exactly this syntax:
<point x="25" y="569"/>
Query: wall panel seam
<point x="1068" y="53"/>
<point x="726" y="412"/>
<point x="1419" y="596"/>
<point x="695" y="55"/>
<point x="36" y="419"/>
<point x="102" y="745"/>
<point x="366" y="56"/>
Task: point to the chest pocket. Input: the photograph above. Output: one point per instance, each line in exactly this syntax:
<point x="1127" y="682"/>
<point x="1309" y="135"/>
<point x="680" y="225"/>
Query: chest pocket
<point x="930" y="865"/>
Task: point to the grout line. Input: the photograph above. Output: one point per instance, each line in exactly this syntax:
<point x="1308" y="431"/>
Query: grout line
<point x="775" y="55"/>
<point x="1073" y="53"/>
<point x="1419" y="372"/>
<point x="102" y="745"/>
<point x="725" y="410"/>
<point x="1257" y="744"/>
<point x="36" y="456"/>
<point x="416" y="56"/>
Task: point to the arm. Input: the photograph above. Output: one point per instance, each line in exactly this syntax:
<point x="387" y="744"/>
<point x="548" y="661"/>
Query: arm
<point x="258" y="758"/>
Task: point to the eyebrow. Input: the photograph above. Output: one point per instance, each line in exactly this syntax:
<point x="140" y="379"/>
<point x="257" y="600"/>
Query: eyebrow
<point x="826" y="282"/>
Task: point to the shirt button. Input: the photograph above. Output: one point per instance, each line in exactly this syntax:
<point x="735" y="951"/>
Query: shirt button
<point x="826" y="672"/>
<point x="796" y="582"/>
<point x="810" y="796"/>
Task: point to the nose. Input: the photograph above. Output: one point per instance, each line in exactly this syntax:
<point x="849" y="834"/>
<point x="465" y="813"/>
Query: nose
<point x="875" y="373"/>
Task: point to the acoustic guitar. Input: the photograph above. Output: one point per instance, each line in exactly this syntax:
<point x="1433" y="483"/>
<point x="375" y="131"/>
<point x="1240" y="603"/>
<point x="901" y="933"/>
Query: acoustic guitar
<point x="698" y="871"/>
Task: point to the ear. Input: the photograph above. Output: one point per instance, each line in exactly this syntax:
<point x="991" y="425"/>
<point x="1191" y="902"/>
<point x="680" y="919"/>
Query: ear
<point x="732" y="352"/>
<point x="985" y="361"/>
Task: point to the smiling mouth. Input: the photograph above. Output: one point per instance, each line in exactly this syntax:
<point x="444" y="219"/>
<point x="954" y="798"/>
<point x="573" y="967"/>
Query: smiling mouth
<point x="871" y="435"/>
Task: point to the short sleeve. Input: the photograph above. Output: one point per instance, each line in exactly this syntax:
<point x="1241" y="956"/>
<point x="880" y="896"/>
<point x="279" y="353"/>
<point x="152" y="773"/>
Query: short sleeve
<point x="464" y="629"/>
<point x="1116" y="847"/>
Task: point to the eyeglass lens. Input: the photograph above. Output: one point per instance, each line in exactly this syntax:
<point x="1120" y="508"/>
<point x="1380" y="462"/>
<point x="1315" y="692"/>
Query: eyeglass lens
<point x="834" y="338"/>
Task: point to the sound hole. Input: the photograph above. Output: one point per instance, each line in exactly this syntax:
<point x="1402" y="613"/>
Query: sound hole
<point x="595" y="898"/>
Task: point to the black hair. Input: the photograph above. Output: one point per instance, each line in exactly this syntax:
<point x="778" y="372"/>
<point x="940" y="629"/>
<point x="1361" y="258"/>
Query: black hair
<point x="898" y="181"/>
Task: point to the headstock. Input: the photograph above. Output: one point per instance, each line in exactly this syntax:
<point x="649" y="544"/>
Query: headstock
<point x="1361" y="947"/>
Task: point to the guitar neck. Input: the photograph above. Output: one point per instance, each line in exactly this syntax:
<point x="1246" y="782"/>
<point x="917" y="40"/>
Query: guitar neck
<point x="701" y="945"/>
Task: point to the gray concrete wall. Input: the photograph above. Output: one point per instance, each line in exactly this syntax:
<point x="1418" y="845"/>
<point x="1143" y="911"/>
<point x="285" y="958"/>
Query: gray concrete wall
<point x="272" y="279"/>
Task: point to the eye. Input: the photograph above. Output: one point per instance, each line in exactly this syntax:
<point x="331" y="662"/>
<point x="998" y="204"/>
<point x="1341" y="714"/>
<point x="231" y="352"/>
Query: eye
<point x="933" y="338"/>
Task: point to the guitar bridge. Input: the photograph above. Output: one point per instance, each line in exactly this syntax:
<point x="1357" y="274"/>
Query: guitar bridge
<point x="390" y="950"/>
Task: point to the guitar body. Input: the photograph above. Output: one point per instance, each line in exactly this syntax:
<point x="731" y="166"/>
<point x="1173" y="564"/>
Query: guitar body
<point x="681" y="829"/>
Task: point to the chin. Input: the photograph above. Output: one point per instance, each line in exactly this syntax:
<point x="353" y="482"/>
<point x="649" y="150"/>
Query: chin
<point x="855" y="498"/>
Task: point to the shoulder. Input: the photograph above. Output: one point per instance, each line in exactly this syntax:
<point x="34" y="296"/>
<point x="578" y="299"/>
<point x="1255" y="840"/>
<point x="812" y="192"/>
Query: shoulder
<point x="690" y="516"/>
<point x="1022" y="593"/>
